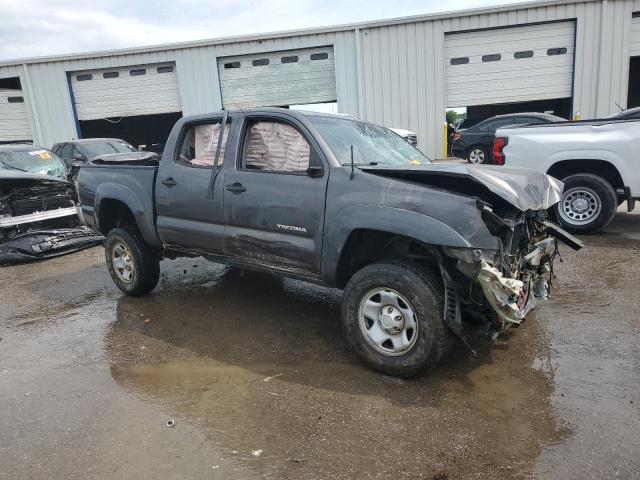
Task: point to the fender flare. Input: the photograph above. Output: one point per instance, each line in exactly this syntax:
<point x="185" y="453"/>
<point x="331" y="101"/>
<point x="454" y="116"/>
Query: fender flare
<point x="420" y="227"/>
<point x="142" y="210"/>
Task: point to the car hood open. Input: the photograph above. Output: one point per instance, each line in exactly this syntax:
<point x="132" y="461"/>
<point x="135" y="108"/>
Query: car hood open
<point x="523" y="188"/>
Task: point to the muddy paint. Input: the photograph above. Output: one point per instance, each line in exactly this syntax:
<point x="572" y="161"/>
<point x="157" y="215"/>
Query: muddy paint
<point x="243" y="363"/>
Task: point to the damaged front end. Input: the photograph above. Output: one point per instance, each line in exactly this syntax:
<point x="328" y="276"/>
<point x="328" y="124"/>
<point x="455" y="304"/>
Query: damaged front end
<point x="38" y="218"/>
<point x="500" y="286"/>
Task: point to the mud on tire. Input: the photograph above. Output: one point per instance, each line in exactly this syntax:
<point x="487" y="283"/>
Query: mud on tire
<point x="133" y="266"/>
<point x="415" y="287"/>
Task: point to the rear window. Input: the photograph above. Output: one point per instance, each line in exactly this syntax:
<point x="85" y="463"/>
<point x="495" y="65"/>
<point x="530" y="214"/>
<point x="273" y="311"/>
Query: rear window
<point x="106" y="148"/>
<point x="199" y="145"/>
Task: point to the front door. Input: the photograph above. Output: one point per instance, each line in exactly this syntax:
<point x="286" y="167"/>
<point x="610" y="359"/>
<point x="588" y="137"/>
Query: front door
<point x="273" y="202"/>
<point x="188" y="217"/>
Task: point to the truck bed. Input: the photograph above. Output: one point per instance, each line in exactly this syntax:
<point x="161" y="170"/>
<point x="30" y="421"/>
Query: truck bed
<point x="136" y="182"/>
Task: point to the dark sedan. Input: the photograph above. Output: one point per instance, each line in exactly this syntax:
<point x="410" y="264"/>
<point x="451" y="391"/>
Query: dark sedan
<point x="87" y="149"/>
<point x="630" y="114"/>
<point x="476" y="143"/>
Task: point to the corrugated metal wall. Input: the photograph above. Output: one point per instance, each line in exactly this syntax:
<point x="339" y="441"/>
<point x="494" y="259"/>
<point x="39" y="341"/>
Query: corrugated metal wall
<point x="396" y="80"/>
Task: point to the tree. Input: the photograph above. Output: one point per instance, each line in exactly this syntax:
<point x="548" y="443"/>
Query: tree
<point x="452" y="116"/>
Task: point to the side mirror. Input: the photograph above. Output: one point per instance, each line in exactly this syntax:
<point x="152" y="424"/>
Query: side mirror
<point x="79" y="157"/>
<point x="315" y="172"/>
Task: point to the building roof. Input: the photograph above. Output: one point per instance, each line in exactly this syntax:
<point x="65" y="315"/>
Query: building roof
<point x="293" y="33"/>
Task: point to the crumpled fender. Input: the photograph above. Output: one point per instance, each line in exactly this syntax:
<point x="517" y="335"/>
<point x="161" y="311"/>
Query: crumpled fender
<point x="420" y="227"/>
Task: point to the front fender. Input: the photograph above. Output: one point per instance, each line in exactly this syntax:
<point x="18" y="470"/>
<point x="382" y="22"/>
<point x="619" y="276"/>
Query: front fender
<point x="420" y="227"/>
<point x="140" y="207"/>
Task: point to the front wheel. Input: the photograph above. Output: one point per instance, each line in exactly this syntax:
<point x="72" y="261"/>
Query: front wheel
<point x="393" y="317"/>
<point x="477" y="155"/>
<point x="134" y="267"/>
<point x="588" y="203"/>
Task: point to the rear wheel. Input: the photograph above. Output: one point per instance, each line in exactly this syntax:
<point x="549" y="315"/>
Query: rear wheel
<point x="134" y="267"/>
<point x="393" y="317"/>
<point x="477" y="154"/>
<point x="588" y="203"/>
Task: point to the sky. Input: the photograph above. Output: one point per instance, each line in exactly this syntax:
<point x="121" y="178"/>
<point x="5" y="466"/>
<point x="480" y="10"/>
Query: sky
<point x="33" y="28"/>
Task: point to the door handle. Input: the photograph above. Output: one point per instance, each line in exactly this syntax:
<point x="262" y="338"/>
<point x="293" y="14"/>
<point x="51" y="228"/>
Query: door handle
<point x="236" y="188"/>
<point x="169" y="182"/>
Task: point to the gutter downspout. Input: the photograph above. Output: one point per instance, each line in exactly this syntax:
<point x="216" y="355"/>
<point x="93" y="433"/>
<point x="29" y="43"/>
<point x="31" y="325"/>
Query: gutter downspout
<point x="603" y="13"/>
<point x="32" y="104"/>
<point x="360" y="85"/>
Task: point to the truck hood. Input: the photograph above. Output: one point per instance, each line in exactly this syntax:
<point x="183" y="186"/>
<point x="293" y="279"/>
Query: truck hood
<point x="523" y="188"/>
<point x="131" y="158"/>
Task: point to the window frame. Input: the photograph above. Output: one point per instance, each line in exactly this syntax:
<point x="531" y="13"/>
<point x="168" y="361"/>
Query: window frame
<point x="183" y="133"/>
<point x="315" y="157"/>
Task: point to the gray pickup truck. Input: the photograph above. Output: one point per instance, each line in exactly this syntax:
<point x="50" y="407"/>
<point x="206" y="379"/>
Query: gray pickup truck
<point x="419" y="249"/>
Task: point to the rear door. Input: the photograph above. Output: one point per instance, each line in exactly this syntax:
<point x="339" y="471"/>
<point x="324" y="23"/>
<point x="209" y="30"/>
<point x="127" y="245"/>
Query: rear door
<point x="273" y="205"/>
<point x="188" y="217"/>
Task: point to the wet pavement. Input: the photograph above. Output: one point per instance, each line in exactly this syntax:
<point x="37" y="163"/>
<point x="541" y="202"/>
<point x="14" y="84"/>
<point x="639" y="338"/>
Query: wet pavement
<point x="260" y="383"/>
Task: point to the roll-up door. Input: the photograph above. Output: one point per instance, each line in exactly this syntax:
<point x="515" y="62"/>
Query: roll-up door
<point x="291" y="77"/>
<point x="514" y="64"/>
<point x="14" y="123"/>
<point x="635" y="36"/>
<point x="126" y="91"/>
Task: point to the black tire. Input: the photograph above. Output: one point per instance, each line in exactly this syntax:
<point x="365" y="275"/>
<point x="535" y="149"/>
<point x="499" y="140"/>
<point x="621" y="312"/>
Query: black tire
<point x="424" y="291"/>
<point x="144" y="262"/>
<point x="482" y="151"/>
<point x="595" y="190"/>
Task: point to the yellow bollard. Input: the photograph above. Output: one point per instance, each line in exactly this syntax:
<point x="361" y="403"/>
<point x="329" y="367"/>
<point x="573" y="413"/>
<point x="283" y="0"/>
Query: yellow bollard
<point x="577" y="116"/>
<point x="445" y="134"/>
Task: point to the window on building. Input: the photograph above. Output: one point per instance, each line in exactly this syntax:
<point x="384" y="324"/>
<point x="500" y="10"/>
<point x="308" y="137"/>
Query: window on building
<point x="557" y="51"/>
<point x="524" y="54"/>
<point x="15" y="99"/>
<point x="319" y="56"/>
<point x="83" y="77"/>
<point x="166" y="69"/>
<point x="494" y="57"/>
<point x="200" y="143"/>
<point x="138" y="71"/>
<point x="110" y="74"/>
<point x="232" y="65"/>
<point x="259" y="62"/>
<point x="275" y="147"/>
<point x="459" y="61"/>
<point x="289" y="59"/>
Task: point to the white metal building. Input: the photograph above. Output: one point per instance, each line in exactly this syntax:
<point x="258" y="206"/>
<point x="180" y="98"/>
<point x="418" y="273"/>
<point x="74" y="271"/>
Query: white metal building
<point x="575" y="55"/>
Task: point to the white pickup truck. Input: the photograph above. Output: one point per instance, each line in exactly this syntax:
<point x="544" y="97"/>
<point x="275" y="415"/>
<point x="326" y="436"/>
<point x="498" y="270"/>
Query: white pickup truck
<point x="598" y="161"/>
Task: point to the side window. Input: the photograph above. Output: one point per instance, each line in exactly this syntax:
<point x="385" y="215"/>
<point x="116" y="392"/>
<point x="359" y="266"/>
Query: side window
<point x="74" y="150"/>
<point x="199" y="145"/>
<point x="65" y="152"/>
<point x="488" y="127"/>
<point x="275" y="147"/>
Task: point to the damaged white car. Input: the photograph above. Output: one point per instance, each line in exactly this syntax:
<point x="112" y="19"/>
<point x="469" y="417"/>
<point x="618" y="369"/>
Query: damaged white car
<point x="38" y="216"/>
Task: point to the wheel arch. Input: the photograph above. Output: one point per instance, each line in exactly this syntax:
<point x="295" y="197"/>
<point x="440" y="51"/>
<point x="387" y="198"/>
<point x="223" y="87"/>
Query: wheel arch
<point x="601" y="168"/>
<point x="116" y="204"/>
<point x="362" y="234"/>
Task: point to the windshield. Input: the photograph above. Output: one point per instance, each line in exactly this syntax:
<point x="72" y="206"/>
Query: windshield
<point x="104" y="148"/>
<point x="38" y="161"/>
<point x="372" y="144"/>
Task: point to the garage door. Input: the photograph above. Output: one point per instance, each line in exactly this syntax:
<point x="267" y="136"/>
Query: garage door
<point x="635" y="36"/>
<point x="126" y="91"/>
<point x="291" y="77"/>
<point x="14" y="123"/>
<point x="516" y="64"/>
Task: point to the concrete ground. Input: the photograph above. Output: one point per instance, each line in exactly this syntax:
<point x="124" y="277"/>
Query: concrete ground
<point x="260" y="383"/>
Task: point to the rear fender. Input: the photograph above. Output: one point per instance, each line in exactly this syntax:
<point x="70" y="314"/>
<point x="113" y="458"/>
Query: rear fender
<point x="141" y="208"/>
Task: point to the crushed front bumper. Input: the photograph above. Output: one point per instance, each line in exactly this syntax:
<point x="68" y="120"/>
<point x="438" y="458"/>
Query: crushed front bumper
<point x="42" y="244"/>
